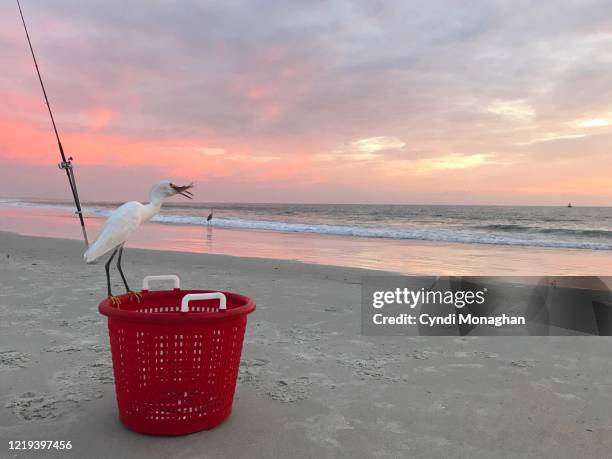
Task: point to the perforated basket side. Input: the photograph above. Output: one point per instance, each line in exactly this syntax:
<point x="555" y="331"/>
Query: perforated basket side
<point x="174" y="382"/>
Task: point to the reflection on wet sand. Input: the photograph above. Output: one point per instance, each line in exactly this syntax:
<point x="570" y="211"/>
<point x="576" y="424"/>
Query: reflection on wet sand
<point x="208" y="242"/>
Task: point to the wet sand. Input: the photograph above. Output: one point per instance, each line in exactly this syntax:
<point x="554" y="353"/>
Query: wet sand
<point x="310" y="385"/>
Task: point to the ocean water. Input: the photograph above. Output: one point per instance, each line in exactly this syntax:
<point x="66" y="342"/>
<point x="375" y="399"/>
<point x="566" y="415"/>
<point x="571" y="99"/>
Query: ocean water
<point x="588" y="228"/>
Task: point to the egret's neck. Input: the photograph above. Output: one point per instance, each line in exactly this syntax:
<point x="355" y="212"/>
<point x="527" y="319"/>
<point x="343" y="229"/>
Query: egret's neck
<point x="152" y="208"/>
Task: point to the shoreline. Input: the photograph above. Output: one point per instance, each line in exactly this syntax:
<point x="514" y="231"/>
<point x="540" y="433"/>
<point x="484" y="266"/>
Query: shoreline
<point x="269" y="265"/>
<point x="398" y="256"/>
<point x="350" y="274"/>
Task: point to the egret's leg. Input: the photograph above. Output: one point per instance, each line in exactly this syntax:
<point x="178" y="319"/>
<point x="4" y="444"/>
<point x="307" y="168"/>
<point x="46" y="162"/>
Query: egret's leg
<point x="127" y="288"/>
<point x="114" y="299"/>
<point x="132" y="295"/>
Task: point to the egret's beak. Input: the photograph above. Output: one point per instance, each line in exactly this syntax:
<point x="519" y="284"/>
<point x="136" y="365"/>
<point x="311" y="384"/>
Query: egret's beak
<point x="182" y="190"/>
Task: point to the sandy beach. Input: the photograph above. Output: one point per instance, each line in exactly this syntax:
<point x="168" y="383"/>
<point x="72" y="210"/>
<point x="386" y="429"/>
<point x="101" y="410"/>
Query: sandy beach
<point x="310" y="384"/>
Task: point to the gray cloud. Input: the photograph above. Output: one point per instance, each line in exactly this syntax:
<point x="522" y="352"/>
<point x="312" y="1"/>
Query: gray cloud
<point x="330" y="71"/>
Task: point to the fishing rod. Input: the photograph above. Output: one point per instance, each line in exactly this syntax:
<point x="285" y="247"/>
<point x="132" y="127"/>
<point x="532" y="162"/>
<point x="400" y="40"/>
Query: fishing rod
<point x="66" y="164"/>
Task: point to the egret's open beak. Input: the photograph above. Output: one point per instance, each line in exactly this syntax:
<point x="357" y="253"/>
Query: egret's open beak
<point x="182" y="190"/>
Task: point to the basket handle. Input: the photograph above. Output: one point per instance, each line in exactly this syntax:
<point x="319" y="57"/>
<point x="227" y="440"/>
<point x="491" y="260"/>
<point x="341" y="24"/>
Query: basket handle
<point x="203" y="296"/>
<point x="172" y="277"/>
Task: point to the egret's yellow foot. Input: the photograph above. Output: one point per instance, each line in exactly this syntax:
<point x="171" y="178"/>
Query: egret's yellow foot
<point x="115" y="300"/>
<point x="134" y="296"/>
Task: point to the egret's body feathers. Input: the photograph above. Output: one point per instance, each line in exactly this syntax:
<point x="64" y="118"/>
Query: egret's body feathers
<point x="118" y="228"/>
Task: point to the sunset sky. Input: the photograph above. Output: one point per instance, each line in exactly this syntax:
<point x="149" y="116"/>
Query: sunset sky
<point x="501" y="102"/>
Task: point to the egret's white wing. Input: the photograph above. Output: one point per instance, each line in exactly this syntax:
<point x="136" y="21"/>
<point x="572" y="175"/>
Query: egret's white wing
<point x="117" y="228"/>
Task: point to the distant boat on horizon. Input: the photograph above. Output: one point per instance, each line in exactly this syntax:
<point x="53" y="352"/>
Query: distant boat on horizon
<point x="569" y="205"/>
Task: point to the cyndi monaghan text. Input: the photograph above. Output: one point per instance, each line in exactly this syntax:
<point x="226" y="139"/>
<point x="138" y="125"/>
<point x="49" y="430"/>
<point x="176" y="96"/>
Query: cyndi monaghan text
<point x="450" y="319"/>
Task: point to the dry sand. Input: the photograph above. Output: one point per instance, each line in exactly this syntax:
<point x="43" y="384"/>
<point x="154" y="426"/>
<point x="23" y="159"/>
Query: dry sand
<point x="310" y="385"/>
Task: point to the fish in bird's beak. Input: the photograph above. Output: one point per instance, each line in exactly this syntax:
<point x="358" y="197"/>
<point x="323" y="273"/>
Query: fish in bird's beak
<point x="183" y="190"/>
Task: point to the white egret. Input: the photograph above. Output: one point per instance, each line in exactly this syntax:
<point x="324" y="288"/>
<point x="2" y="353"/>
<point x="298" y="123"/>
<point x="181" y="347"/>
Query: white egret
<point x="122" y="223"/>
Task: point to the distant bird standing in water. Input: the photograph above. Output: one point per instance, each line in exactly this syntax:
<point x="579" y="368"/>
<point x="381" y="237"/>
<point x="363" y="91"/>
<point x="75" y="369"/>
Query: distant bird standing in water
<point x="210" y="217"/>
<point x="122" y="223"/>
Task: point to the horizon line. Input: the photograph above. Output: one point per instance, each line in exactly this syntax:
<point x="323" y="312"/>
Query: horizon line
<point x="209" y="203"/>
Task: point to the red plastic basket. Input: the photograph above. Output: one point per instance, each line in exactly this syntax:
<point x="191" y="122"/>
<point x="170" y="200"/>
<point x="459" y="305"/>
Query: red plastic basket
<point x="176" y="355"/>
